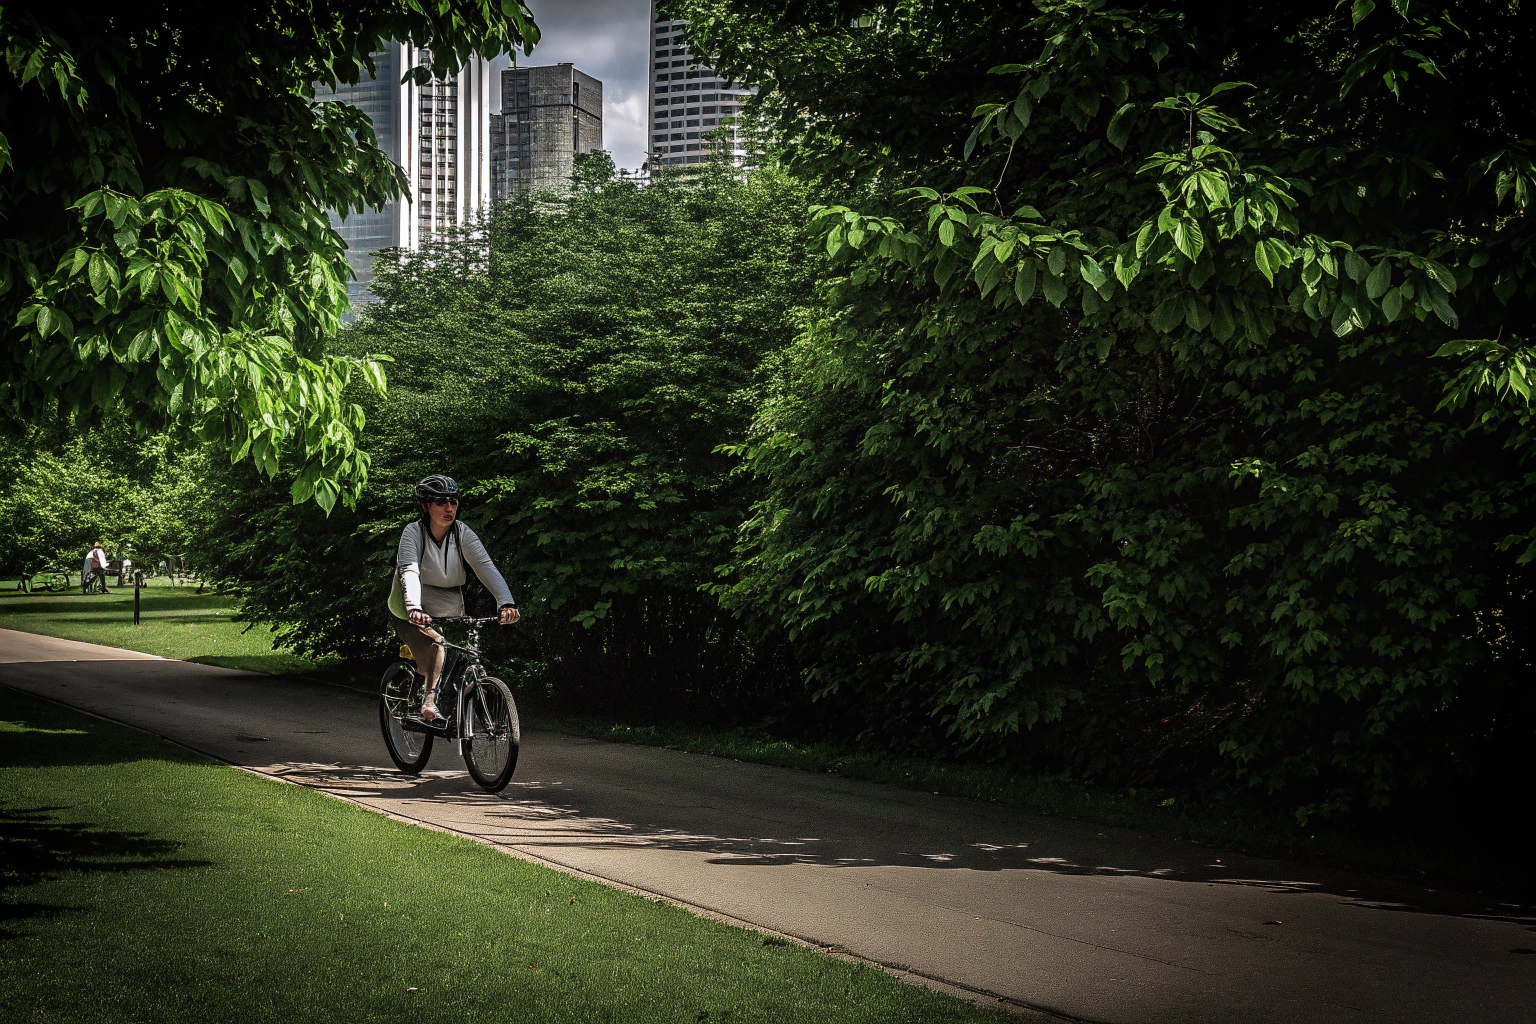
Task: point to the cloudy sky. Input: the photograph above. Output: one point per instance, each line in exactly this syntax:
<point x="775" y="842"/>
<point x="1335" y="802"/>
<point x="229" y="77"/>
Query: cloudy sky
<point x="608" y="40"/>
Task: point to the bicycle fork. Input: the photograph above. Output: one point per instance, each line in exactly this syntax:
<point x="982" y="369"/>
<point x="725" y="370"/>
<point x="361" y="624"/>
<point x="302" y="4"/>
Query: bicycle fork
<point x="464" y="718"/>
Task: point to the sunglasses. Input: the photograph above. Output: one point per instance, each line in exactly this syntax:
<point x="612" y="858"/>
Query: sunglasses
<point x="440" y="502"/>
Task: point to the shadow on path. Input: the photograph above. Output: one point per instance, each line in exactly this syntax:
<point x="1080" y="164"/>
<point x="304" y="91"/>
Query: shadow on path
<point x="545" y="817"/>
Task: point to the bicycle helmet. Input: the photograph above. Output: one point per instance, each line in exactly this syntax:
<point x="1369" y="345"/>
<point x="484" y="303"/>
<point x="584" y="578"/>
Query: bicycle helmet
<point x="436" y="486"/>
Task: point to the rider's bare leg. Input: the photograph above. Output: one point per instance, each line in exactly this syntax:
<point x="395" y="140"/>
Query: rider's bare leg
<point x="428" y="653"/>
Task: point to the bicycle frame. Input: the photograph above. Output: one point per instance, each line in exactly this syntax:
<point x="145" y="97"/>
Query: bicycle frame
<point x="467" y="668"/>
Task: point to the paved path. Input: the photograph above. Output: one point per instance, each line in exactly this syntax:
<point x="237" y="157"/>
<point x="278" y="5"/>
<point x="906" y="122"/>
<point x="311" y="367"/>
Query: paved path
<point x="1054" y="917"/>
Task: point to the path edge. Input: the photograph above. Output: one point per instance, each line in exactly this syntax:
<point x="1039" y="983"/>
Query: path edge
<point x="980" y="997"/>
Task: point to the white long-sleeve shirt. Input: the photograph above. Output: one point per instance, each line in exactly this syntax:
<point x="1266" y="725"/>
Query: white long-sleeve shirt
<point x="94" y="558"/>
<point x="431" y="574"/>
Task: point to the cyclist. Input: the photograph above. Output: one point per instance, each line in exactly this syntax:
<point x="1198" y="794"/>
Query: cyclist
<point x="430" y="577"/>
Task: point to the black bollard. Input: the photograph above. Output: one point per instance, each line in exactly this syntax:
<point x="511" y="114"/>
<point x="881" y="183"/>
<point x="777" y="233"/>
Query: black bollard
<point x="138" y="581"/>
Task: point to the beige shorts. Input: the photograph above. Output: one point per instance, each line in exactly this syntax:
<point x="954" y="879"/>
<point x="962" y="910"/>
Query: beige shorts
<point x="412" y="634"/>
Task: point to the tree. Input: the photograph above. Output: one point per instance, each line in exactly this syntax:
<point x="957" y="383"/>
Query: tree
<point x="576" y="363"/>
<point x="1123" y="443"/>
<point x="62" y="491"/>
<point x="164" y="180"/>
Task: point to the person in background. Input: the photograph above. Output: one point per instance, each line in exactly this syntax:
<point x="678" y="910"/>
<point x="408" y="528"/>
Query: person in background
<point x="95" y="565"/>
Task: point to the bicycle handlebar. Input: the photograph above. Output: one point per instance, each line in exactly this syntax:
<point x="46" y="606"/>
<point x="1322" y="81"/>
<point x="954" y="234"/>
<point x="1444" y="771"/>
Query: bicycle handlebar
<point x="466" y="620"/>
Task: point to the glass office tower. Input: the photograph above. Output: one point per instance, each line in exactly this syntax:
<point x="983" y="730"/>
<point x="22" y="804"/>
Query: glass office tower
<point x="367" y="232"/>
<point x="439" y="134"/>
<point x="548" y="116"/>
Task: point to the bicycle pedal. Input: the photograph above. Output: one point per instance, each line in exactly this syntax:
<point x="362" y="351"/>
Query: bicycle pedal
<point x="415" y="723"/>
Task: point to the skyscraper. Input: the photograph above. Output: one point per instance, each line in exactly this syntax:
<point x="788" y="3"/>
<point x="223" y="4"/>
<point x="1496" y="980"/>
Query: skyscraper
<point x="688" y="100"/>
<point x="548" y="116"/>
<point x="439" y="133"/>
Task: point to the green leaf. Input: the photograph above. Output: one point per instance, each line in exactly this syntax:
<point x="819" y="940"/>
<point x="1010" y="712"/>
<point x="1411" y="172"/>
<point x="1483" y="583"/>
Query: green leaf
<point x="326" y="493"/>
<point x="304" y="484"/>
<point x="1197" y="312"/>
<point x="1504" y="286"/>
<point x="1379" y="280"/>
<point x="947" y="232"/>
<point x="1343" y="320"/>
<point x="1264" y="260"/>
<point x="1441" y="275"/>
<point x="1119" y="131"/>
<point x="1442" y="308"/>
<point x="1091" y="272"/>
<point x="1201" y="272"/>
<point x="1168" y="314"/>
<point x="834" y="239"/>
<point x="373" y="372"/>
<point x="1126" y="270"/>
<point x="1024" y="281"/>
<point x="1188" y="238"/>
<point x="1057" y="261"/>
<point x="1054" y="289"/>
<point x="1362" y="9"/>
<point x="970" y="143"/>
<point x="1392" y="305"/>
<point x="98" y="273"/>
<point x="1355" y="267"/>
<point x="946" y="268"/>
<point x="1145" y="237"/>
<point x="1222" y="326"/>
<point x="1023" y="109"/>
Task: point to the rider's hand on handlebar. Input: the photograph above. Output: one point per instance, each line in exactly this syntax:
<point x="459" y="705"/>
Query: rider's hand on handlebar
<point x="419" y="618"/>
<point x="509" y="615"/>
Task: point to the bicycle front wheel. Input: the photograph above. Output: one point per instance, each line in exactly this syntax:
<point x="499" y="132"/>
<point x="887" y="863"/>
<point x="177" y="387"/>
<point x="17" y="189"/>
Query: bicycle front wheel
<point x="490" y="753"/>
<point x="398" y="693"/>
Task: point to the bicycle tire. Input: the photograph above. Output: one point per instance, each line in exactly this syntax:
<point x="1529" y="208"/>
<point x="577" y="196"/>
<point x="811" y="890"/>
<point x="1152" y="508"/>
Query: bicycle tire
<point x="490" y="753"/>
<point x="410" y="750"/>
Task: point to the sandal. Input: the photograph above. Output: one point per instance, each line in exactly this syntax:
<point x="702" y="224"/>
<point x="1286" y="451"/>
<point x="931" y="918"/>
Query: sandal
<point x="429" y="711"/>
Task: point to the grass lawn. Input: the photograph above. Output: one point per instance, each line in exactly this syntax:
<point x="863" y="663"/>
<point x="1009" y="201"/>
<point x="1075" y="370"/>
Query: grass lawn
<point x="141" y="882"/>
<point x="174" y="622"/>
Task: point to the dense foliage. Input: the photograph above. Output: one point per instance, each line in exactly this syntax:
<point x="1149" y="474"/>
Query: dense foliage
<point x="1123" y="443"/>
<point x="1161" y="414"/>
<point x="61" y="491"/>
<point x="576" y="365"/>
<point x="164" y="179"/>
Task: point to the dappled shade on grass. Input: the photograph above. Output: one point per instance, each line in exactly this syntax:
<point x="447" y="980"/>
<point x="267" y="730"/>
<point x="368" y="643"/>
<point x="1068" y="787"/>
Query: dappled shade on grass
<point x="144" y="882"/>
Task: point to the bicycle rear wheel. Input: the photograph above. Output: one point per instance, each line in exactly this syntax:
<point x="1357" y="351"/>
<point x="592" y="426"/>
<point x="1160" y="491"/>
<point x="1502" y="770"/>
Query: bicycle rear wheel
<point x="490" y="753"/>
<point x="398" y="693"/>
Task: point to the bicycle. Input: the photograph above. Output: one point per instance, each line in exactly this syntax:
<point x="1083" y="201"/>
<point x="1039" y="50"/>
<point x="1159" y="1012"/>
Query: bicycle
<point x="479" y="712"/>
<point x="44" y="582"/>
